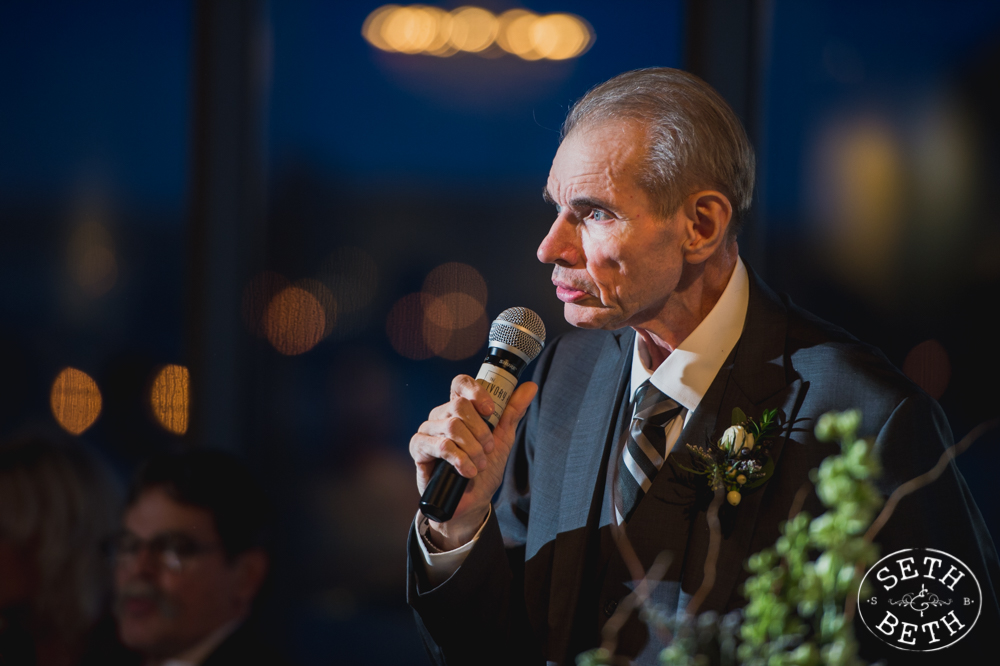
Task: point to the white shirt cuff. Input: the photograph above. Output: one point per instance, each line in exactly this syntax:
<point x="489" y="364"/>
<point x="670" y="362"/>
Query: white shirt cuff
<point x="441" y="565"/>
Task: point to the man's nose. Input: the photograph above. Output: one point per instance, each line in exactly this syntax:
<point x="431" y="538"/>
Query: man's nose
<point x="143" y="563"/>
<point x="560" y="245"/>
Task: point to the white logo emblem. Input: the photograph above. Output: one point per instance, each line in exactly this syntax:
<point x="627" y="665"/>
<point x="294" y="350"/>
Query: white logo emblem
<point x="922" y="600"/>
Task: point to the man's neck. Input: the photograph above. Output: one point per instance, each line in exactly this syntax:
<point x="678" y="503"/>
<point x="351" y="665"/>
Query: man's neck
<point x="695" y="296"/>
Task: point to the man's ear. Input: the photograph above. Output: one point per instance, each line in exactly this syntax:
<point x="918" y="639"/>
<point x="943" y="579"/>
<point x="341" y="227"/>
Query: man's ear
<point x="708" y="214"/>
<point x="251" y="570"/>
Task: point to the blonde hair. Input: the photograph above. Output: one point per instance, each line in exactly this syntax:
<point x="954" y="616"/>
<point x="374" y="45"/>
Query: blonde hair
<point x="58" y="502"/>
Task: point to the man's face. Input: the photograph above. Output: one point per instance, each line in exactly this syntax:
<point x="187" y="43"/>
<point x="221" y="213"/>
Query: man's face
<point x="616" y="260"/>
<point x="161" y="611"/>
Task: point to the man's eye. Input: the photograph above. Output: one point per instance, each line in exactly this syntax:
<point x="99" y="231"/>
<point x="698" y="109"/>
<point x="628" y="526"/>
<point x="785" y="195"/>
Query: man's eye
<point x="599" y="216"/>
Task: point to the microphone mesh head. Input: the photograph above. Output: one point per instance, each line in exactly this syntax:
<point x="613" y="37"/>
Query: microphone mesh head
<point x="507" y="329"/>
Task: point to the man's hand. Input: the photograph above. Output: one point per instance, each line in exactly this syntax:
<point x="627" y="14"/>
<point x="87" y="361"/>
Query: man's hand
<point x="457" y="433"/>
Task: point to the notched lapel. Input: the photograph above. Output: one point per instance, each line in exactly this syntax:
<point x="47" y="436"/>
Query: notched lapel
<point x="595" y="427"/>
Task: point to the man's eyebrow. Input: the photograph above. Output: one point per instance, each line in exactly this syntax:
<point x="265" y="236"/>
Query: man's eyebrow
<point x="579" y="202"/>
<point x="590" y="202"/>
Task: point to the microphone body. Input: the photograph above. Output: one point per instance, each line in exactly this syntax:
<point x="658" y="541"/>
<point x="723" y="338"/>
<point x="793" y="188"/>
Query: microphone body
<point x="516" y="338"/>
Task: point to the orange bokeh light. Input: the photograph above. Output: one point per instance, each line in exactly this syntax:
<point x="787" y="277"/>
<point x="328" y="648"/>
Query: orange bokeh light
<point x="294" y="321"/>
<point x="454" y="314"/>
<point x="433" y="31"/>
<point x="75" y="400"/>
<point x="169" y="397"/>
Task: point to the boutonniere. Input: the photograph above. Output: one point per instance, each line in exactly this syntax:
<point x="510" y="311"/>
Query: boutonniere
<point x="740" y="460"/>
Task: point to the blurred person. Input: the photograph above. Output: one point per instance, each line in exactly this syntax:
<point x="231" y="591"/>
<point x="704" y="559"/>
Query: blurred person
<point x="57" y="504"/>
<point x="189" y="561"/>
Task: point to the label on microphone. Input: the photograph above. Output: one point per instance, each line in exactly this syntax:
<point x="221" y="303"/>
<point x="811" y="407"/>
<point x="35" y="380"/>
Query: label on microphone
<point x="500" y="385"/>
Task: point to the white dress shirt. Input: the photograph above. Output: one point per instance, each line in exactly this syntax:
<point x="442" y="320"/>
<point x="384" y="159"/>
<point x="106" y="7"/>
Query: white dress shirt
<point x="684" y="375"/>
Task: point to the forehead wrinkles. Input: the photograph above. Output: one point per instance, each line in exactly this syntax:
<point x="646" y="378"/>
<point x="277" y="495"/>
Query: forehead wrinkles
<point x="598" y="160"/>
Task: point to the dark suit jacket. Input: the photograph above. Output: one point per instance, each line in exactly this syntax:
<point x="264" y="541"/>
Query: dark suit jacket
<point x="544" y="577"/>
<point x="243" y="647"/>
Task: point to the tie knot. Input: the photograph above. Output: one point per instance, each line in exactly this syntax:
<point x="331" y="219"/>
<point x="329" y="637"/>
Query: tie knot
<point x="651" y="404"/>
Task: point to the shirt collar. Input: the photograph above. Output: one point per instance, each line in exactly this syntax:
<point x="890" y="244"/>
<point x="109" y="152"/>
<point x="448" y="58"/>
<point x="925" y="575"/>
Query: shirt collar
<point x="690" y="369"/>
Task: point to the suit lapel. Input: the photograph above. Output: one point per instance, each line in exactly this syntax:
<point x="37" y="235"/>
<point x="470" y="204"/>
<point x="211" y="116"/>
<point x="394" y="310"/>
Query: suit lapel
<point x="583" y="484"/>
<point x="594" y="430"/>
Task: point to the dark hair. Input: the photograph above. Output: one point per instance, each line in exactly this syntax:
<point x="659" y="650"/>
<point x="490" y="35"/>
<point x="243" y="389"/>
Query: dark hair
<point x="217" y="482"/>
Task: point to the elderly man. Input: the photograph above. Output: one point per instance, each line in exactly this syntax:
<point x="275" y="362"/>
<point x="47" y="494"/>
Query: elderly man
<point x="650" y="184"/>
<point x="189" y="561"/>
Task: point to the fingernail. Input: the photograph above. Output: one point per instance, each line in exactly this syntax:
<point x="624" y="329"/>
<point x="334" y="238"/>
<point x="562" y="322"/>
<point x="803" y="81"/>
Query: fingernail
<point x="481" y="464"/>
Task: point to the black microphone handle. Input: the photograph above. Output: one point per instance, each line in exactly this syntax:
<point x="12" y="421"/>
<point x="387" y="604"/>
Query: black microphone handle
<point x="446" y="486"/>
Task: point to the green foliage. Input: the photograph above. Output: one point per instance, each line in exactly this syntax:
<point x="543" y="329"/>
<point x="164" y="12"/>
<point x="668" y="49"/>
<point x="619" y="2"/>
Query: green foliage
<point x="799" y="586"/>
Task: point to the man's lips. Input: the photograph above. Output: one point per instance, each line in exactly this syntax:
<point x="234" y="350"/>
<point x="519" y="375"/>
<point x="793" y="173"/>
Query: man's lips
<point x="138" y="605"/>
<point x="567" y="293"/>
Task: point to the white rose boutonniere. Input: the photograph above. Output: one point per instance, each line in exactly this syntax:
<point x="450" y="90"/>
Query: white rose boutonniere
<point x="736" y="438"/>
<point x="740" y="460"/>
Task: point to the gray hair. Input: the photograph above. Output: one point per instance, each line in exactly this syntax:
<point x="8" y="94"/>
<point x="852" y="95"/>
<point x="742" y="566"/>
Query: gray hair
<point x="58" y="502"/>
<point x="695" y="138"/>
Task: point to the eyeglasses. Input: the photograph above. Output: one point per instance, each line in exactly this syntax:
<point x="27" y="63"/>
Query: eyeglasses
<point x="171" y="550"/>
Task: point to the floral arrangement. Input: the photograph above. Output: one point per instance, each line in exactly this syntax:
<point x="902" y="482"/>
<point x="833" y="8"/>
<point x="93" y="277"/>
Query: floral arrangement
<point x="740" y="460"/>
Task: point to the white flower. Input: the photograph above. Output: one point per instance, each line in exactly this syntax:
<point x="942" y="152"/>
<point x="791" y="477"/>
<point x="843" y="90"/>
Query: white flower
<point x="736" y="438"/>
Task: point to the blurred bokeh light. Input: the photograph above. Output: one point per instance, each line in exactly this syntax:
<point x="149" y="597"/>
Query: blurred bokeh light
<point x="294" y="321"/>
<point x="859" y="191"/>
<point x="257" y="296"/>
<point x="454" y="278"/>
<point x="433" y="31"/>
<point x="325" y="298"/>
<point x="169" y="398"/>
<point x="91" y="255"/>
<point x="455" y="324"/>
<point x="405" y="328"/>
<point x="75" y="400"/>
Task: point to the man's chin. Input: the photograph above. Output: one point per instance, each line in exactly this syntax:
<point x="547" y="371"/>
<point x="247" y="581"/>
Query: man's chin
<point x="590" y="317"/>
<point x="145" y="635"/>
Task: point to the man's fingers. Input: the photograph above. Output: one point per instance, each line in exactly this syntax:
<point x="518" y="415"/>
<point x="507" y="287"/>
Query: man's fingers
<point x="518" y="405"/>
<point x="427" y="448"/>
<point x="469" y="401"/>
<point x="466" y="387"/>
<point x="457" y="431"/>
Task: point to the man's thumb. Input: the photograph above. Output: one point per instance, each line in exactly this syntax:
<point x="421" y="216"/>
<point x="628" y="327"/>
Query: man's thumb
<point x="517" y="406"/>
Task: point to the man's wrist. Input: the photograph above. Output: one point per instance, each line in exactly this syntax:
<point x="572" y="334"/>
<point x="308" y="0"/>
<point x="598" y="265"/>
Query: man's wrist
<point x="458" y="531"/>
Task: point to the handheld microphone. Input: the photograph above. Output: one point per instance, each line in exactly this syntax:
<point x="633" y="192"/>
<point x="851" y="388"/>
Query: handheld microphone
<point x="516" y="338"/>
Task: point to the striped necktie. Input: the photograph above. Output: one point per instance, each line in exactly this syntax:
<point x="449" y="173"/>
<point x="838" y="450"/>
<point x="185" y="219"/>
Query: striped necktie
<point x="645" y="448"/>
